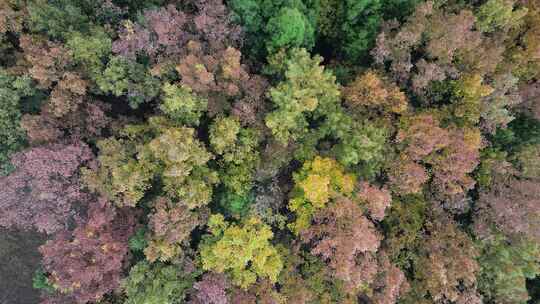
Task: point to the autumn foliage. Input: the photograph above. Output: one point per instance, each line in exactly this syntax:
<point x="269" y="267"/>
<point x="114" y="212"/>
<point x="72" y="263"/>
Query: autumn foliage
<point x="276" y="151"/>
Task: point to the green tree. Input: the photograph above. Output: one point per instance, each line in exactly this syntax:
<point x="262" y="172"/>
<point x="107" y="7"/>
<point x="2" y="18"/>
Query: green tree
<point x="491" y="162"/>
<point x="307" y="87"/>
<point x="119" y="177"/>
<point x="504" y="268"/>
<point x="223" y="134"/>
<point x="41" y="281"/>
<point x="123" y="77"/>
<point x="528" y="161"/>
<point x="499" y="14"/>
<point x="235" y="205"/>
<point x="359" y="25"/>
<point x="243" y="251"/>
<point x="360" y="143"/>
<point x="157" y="150"/>
<point x="181" y="162"/>
<point x="238" y="150"/>
<point x="289" y="28"/>
<point x="182" y="105"/>
<point x="90" y="50"/>
<point x="12" y="138"/>
<point x="403" y="226"/>
<point x="272" y="25"/>
<point x="468" y="94"/>
<point x="57" y="18"/>
<point x="158" y="283"/>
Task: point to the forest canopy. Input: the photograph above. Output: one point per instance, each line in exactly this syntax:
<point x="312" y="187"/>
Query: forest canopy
<point x="274" y="151"/>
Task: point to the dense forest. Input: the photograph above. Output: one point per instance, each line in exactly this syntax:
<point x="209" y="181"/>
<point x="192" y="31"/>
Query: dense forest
<point x="273" y="151"/>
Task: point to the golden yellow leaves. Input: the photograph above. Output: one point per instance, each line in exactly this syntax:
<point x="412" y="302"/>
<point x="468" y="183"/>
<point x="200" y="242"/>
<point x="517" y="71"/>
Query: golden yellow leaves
<point x="244" y="251"/>
<point x="317" y="183"/>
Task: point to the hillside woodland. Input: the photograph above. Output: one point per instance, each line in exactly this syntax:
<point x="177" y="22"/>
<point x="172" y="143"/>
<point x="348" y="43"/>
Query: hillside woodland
<point x="274" y="151"/>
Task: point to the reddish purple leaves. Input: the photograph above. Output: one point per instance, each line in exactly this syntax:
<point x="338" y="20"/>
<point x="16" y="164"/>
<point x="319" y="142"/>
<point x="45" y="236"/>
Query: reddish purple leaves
<point x="87" y="263"/>
<point x="44" y="187"/>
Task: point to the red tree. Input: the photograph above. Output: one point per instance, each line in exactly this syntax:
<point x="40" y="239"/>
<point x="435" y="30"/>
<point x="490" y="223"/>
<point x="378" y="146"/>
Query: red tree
<point x="87" y="262"/>
<point x="44" y="188"/>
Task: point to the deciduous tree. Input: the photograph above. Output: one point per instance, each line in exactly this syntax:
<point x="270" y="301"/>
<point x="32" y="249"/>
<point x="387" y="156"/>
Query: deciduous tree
<point x="446" y="268"/>
<point x="88" y="261"/>
<point x="505" y="266"/>
<point x="44" y="191"/>
<point x="306" y="87"/>
<point x="12" y="91"/>
<point x="316" y="184"/>
<point x="242" y="251"/>
<point x="159" y="283"/>
<point x="171" y="225"/>
<point x="159" y="149"/>
<point x="343" y="236"/>
<point x="511" y="207"/>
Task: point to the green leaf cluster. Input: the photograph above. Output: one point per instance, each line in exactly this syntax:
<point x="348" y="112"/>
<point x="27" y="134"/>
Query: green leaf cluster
<point x="41" y="281"/>
<point x="12" y="138"/>
<point x="242" y="251"/>
<point x="182" y="105"/>
<point x="522" y="131"/>
<point x="489" y="159"/>
<point x="308" y="109"/>
<point x="499" y="14"/>
<point x="160" y="149"/>
<point x="305" y="93"/>
<point x="57" y="18"/>
<point x="120" y="177"/>
<point x="360" y="143"/>
<point x="357" y="26"/>
<point x="123" y="77"/>
<point x="235" y="205"/>
<point x="403" y="226"/>
<point x="505" y="268"/>
<point x="528" y="161"/>
<point x="238" y="150"/>
<point x="157" y="283"/>
<point x="275" y="24"/>
<point x="138" y="241"/>
<point x="289" y="28"/>
<point x="90" y="50"/>
<point x="346" y="27"/>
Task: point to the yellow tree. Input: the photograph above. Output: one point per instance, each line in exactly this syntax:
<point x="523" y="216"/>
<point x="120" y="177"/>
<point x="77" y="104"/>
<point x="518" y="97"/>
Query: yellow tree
<point x="243" y="251"/>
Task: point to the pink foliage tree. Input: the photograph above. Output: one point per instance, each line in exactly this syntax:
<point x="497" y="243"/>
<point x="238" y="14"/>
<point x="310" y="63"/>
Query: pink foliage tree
<point x="167" y="31"/>
<point x="377" y="200"/>
<point x="452" y="167"/>
<point x="87" y="262"/>
<point x="530" y="94"/>
<point x="212" y="289"/>
<point x="390" y="283"/>
<point x="422" y="136"/>
<point x="44" y="188"/>
<point x="511" y="206"/>
<point x="446" y="268"/>
<point x="347" y="240"/>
